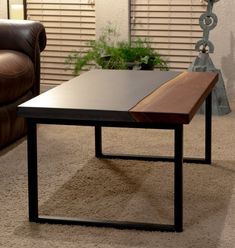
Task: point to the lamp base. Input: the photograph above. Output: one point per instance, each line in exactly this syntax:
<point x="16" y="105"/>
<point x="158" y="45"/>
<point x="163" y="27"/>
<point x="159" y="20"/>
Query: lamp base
<point x="220" y="104"/>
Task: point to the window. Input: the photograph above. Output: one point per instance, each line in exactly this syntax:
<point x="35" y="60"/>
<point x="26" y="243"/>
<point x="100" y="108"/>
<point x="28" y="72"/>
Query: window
<point x="171" y="26"/>
<point x="69" y="24"/>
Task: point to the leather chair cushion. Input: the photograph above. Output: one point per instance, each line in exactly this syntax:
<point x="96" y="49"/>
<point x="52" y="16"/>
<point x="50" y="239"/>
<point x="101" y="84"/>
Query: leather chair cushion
<point x="16" y="75"/>
<point x="12" y="127"/>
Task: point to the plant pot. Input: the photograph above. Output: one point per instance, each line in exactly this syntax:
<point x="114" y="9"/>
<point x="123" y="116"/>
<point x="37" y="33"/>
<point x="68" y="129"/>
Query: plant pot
<point x="146" y="67"/>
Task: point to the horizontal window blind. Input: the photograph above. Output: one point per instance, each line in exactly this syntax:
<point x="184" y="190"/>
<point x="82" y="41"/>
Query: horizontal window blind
<point x="171" y="27"/>
<point x="70" y="25"/>
<point x="3" y="9"/>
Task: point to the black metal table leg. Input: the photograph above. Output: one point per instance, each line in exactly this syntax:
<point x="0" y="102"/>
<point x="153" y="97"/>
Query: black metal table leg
<point x="206" y="159"/>
<point x="32" y="170"/>
<point x="33" y="191"/>
<point x="178" y="179"/>
<point x="208" y="128"/>
<point x="98" y="141"/>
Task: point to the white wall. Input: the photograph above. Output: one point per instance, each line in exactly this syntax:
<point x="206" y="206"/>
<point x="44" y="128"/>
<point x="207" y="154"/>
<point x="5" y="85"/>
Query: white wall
<point x="115" y="12"/>
<point x="223" y="37"/>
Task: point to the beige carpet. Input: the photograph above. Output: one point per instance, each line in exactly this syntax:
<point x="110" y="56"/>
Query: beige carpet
<point x="74" y="183"/>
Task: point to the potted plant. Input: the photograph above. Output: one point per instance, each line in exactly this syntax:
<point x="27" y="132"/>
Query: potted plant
<point x="108" y="53"/>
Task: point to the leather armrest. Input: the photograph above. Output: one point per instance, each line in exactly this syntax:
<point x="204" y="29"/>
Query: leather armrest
<point x="24" y="36"/>
<point x="28" y="37"/>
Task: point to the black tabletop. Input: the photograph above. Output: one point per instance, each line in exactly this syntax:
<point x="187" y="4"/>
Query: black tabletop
<point x="97" y="95"/>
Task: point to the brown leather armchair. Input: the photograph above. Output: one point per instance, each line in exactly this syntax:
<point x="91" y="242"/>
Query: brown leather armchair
<point x="21" y="43"/>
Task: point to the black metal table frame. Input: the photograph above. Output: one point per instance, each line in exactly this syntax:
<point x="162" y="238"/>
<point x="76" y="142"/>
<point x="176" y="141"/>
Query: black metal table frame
<point x="178" y="160"/>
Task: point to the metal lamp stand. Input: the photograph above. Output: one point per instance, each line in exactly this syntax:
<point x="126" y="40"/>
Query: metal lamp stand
<point x="208" y="21"/>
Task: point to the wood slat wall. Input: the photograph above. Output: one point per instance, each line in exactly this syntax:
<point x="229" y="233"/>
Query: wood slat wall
<point x="171" y="26"/>
<point x="69" y="24"/>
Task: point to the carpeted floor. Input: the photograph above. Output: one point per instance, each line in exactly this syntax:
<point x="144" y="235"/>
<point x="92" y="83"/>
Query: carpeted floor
<point x="74" y="183"/>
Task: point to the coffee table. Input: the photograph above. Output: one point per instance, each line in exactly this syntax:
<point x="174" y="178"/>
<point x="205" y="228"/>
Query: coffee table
<point x="122" y="98"/>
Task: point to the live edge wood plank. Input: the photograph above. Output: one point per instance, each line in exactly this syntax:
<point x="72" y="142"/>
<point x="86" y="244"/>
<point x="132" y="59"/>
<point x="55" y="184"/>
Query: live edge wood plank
<point x="177" y="100"/>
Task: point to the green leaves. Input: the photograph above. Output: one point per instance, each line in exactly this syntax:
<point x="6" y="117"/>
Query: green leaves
<point x="109" y="53"/>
